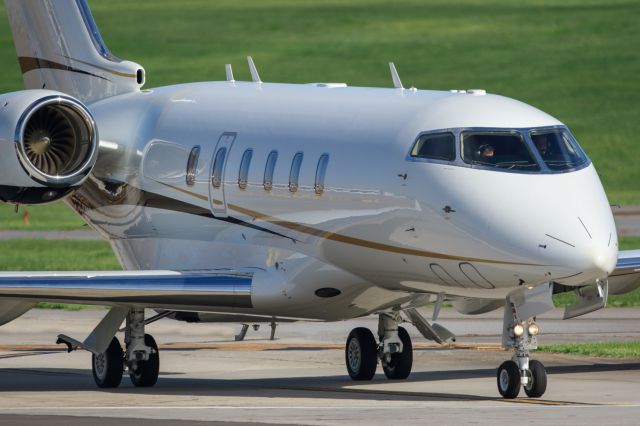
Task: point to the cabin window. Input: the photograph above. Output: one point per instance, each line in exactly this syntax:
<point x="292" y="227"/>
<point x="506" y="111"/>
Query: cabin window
<point x="321" y="171"/>
<point x="269" y="169"/>
<point x="218" y="168"/>
<point x="440" y="146"/>
<point x="501" y="150"/>
<point x="558" y="149"/>
<point x="192" y="164"/>
<point x="243" y="174"/>
<point x="294" y="174"/>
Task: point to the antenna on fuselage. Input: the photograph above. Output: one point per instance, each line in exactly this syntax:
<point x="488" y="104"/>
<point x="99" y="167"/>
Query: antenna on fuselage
<point x="394" y="75"/>
<point x="229" y="70"/>
<point x="254" y="72"/>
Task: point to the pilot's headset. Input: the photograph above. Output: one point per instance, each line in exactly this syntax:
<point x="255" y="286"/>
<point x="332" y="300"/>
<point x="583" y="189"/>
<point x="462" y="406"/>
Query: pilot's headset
<point x="481" y="149"/>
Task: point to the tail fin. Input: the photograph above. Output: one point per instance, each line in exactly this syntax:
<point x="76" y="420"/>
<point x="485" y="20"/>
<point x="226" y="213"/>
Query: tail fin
<point x="59" y="48"/>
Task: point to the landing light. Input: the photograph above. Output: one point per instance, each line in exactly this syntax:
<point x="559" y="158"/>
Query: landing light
<point x="518" y="330"/>
<point x="533" y="329"/>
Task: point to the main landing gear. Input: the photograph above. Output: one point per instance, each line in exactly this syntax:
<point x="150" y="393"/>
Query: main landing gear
<point x="394" y="350"/>
<point x="141" y="357"/>
<point x="521" y="335"/>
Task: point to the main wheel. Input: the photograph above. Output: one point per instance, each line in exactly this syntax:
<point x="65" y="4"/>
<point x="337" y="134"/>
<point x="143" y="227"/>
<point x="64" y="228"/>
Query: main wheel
<point x="537" y="380"/>
<point x="509" y="379"/>
<point x="361" y="354"/>
<point x="399" y="367"/>
<point x="107" y="367"/>
<point x="145" y="374"/>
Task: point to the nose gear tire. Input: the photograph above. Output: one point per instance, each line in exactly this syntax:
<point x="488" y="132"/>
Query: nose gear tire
<point x="537" y="380"/>
<point x="509" y="380"/>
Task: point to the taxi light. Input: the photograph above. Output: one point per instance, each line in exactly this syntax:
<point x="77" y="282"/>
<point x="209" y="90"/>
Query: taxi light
<point x="518" y="330"/>
<point x="533" y="329"/>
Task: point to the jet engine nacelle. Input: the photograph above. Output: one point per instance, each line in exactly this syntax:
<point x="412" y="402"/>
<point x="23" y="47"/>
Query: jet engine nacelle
<point x="48" y="146"/>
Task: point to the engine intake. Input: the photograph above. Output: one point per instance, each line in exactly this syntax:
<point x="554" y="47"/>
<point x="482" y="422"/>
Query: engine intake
<point x="56" y="141"/>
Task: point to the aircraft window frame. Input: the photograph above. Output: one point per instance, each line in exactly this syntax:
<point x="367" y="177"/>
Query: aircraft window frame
<point x="294" y="173"/>
<point x="269" y="170"/>
<point x="192" y="165"/>
<point x="218" y="167"/>
<point x="524" y="131"/>
<point x="574" y="145"/>
<point x="474" y="163"/>
<point x="243" y="171"/>
<point x="321" y="172"/>
<point x="419" y="142"/>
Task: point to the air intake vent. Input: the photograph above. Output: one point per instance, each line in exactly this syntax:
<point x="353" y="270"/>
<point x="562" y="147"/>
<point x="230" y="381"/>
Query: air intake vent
<point x="57" y="141"/>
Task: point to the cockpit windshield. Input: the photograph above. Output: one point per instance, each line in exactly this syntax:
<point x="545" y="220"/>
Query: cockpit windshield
<point x="558" y="149"/>
<point x="522" y="150"/>
<point x="503" y="150"/>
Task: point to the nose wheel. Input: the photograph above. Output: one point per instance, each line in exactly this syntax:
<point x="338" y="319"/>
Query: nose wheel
<point x="537" y="383"/>
<point x="510" y="379"/>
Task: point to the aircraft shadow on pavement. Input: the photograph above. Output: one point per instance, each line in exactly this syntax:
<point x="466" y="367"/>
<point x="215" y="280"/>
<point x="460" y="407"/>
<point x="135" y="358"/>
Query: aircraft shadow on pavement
<point x="19" y="379"/>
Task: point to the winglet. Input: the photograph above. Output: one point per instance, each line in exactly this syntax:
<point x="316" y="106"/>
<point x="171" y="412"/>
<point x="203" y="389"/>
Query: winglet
<point x="396" y="78"/>
<point x="254" y="72"/>
<point x="229" y="70"/>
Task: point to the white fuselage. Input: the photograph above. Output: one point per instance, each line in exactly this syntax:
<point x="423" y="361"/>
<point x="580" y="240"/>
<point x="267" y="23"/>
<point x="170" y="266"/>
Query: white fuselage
<point x="386" y="228"/>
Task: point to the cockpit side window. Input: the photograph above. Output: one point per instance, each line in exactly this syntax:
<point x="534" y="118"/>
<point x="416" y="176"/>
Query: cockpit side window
<point x="558" y="149"/>
<point x="441" y="146"/>
<point x="503" y="150"/>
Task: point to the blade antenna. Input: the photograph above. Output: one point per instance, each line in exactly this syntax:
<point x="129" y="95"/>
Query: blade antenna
<point x="229" y="70"/>
<point x="254" y="72"/>
<point x="394" y="75"/>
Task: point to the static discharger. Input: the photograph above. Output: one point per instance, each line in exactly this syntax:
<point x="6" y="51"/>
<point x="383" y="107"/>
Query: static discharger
<point x="394" y="75"/>
<point x="254" y="72"/>
<point x="229" y="71"/>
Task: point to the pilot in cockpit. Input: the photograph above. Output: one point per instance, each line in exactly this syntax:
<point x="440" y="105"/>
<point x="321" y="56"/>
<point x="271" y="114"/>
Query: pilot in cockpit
<point x="486" y="151"/>
<point x="542" y="144"/>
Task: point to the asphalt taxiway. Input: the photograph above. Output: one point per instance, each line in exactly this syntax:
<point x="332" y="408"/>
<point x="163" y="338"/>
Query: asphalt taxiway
<point x="300" y="378"/>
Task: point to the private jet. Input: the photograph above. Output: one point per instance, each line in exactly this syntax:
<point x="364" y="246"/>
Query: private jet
<point x="286" y="202"/>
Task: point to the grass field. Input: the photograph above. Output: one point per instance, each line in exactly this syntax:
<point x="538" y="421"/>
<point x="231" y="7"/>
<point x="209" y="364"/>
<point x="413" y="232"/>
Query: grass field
<point x="626" y="350"/>
<point x="576" y="59"/>
<point x="56" y="255"/>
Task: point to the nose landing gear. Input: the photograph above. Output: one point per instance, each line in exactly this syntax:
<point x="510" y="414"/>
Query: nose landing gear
<point x="521" y="336"/>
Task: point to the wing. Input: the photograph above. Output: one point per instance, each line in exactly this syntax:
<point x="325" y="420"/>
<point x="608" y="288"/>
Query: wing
<point x="201" y="291"/>
<point x="626" y="276"/>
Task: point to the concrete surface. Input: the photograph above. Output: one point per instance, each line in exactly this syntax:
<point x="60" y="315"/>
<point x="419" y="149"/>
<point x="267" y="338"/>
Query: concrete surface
<point x="301" y="379"/>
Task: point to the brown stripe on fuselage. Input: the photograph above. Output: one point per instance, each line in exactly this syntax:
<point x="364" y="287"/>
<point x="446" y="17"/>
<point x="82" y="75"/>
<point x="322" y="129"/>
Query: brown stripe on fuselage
<point x="110" y="71"/>
<point x="364" y="243"/>
<point x="184" y="191"/>
<point x="29" y="64"/>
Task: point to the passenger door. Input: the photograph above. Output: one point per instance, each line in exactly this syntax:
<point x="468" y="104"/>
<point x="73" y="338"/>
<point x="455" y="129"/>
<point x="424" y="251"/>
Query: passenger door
<point x="218" y="173"/>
